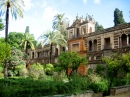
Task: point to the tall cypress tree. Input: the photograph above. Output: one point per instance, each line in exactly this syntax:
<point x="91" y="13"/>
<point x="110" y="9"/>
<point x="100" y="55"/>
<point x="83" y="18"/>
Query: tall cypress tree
<point x="118" y="17"/>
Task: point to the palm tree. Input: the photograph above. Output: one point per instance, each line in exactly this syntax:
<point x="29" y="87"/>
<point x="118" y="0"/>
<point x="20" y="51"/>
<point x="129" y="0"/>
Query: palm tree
<point x="28" y="40"/>
<point x="16" y="10"/>
<point x="52" y="38"/>
<point x="60" y="23"/>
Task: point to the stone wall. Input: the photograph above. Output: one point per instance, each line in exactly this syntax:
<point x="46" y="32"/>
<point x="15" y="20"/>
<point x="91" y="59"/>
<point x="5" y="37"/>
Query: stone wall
<point x="119" y="90"/>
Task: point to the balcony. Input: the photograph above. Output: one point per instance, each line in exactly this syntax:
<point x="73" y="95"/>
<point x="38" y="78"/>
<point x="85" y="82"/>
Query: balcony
<point x="74" y="36"/>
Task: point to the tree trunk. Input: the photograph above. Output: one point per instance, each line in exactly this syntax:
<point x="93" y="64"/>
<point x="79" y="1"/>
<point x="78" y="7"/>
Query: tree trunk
<point x="50" y="52"/>
<point x="6" y="40"/>
<point x="26" y="50"/>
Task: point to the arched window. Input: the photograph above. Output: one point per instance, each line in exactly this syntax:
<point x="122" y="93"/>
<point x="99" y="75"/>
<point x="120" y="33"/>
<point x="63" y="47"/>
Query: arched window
<point x="90" y="45"/>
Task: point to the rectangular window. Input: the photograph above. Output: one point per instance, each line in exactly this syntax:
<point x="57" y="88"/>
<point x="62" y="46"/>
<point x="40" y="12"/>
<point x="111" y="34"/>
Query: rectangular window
<point x="75" y="47"/>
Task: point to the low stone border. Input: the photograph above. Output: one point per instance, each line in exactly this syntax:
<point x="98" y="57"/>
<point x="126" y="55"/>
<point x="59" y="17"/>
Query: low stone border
<point x="119" y="89"/>
<point x="83" y="94"/>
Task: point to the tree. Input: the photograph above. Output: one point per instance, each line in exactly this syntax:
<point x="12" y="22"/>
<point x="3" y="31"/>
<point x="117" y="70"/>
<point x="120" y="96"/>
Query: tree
<point x="60" y="23"/>
<point x="114" y="63"/>
<point x="70" y="60"/>
<point x="1" y="25"/>
<point x="5" y="51"/>
<point x="117" y="64"/>
<point x="14" y="39"/>
<point x="98" y="27"/>
<point x="16" y="61"/>
<point x="118" y="17"/>
<point x="52" y="38"/>
<point x="16" y="10"/>
<point x="27" y="41"/>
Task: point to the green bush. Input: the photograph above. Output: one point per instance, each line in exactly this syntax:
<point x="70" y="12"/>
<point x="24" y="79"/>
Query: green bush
<point x="49" y="68"/>
<point x="128" y="78"/>
<point x="1" y="69"/>
<point x="1" y="75"/>
<point x="35" y="88"/>
<point x="119" y="82"/>
<point x="100" y="69"/>
<point x="99" y="86"/>
<point x="36" y="71"/>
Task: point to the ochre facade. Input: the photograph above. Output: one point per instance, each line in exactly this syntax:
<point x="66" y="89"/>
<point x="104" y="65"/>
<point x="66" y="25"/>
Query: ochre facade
<point x="77" y="33"/>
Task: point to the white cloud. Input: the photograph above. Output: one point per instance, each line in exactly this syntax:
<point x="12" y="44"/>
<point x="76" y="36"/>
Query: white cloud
<point x="49" y="13"/>
<point x="97" y="1"/>
<point x="85" y="1"/>
<point x="28" y="4"/>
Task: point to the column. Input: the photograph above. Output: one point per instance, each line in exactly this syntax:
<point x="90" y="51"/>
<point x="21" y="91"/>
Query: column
<point x="120" y="43"/>
<point x="127" y="40"/>
<point x="92" y="45"/>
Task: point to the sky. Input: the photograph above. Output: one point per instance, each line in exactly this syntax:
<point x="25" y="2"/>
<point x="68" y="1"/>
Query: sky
<point x="39" y="14"/>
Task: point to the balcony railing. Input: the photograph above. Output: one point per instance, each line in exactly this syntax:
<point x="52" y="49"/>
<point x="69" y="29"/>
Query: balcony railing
<point x="74" y="36"/>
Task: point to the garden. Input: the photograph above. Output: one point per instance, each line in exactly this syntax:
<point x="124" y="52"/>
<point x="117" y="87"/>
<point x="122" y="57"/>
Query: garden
<point x="37" y="80"/>
<point x="53" y="79"/>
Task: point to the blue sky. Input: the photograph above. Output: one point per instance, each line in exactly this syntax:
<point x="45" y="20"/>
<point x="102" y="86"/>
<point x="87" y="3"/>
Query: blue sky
<point x="38" y="14"/>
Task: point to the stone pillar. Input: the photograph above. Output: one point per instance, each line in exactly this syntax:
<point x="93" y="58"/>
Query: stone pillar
<point x="92" y="45"/>
<point x="120" y="42"/>
<point x="127" y="40"/>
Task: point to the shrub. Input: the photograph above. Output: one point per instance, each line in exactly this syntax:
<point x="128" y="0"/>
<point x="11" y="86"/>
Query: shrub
<point x="23" y="72"/>
<point x="1" y="75"/>
<point x="128" y="78"/>
<point x="60" y="76"/>
<point x="49" y="68"/>
<point x="100" y="69"/>
<point x="36" y="71"/>
<point x="99" y="86"/>
<point x="13" y="87"/>
<point x="93" y="77"/>
<point x="1" y="69"/>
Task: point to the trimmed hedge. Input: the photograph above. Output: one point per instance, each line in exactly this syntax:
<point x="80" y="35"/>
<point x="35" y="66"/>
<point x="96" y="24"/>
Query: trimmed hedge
<point x="36" y="88"/>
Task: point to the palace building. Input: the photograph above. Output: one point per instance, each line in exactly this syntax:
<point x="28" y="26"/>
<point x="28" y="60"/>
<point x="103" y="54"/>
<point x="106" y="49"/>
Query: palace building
<point x="83" y="39"/>
<point x="107" y="41"/>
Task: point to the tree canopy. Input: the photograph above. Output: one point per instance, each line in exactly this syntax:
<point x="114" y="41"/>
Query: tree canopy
<point x="51" y="38"/>
<point x="118" y="17"/>
<point x="70" y="60"/>
<point x="14" y="39"/>
<point x="5" y="51"/>
<point x="98" y="27"/>
<point x="28" y="40"/>
<point x="60" y="23"/>
<point x="116" y="65"/>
